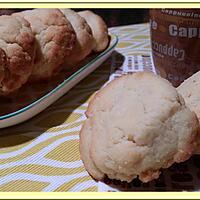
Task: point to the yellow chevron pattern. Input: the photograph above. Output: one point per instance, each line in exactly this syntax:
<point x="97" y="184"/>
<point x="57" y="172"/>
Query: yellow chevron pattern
<point x="42" y="154"/>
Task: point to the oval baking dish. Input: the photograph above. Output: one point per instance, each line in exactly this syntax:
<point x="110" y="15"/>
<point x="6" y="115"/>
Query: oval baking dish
<point x="46" y="100"/>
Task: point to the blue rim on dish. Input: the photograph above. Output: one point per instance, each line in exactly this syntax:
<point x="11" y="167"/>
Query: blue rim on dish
<point x="63" y="83"/>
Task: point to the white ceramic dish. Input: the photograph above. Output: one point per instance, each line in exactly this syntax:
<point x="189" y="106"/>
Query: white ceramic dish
<point x="43" y="102"/>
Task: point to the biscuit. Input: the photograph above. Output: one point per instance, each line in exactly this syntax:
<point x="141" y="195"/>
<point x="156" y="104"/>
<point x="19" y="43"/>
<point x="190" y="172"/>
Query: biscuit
<point x="136" y="125"/>
<point x="55" y="39"/>
<point x="189" y="89"/>
<point x="99" y="29"/>
<point x="84" y="38"/>
<point x="17" y="50"/>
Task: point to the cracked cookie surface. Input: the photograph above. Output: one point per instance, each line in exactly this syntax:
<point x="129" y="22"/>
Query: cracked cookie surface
<point x="55" y="39"/>
<point x="17" y="50"/>
<point x="99" y="29"/>
<point x="84" y="38"/>
<point x="135" y="126"/>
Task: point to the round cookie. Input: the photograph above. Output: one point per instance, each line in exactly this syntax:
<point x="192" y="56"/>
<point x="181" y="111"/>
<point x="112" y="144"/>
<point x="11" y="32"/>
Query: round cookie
<point x="136" y="125"/>
<point x="99" y="29"/>
<point x="189" y="89"/>
<point x="17" y="50"/>
<point x="55" y="40"/>
<point x="84" y="38"/>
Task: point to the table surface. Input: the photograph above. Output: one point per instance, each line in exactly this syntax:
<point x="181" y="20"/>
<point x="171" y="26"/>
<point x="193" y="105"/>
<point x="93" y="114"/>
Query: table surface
<point x="42" y="154"/>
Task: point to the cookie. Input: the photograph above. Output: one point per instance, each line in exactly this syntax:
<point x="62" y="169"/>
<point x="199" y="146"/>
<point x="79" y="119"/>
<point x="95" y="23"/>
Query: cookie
<point x="99" y="29"/>
<point x="189" y="89"/>
<point x="84" y="38"/>
<point x="136" y="125"/>
<point x="55" y="40"/>
<point x="17" y="50"/>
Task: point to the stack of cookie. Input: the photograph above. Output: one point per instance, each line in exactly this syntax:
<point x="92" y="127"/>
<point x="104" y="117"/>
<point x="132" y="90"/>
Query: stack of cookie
<point x="36" y="44"/>
<point x="138" y="124"/>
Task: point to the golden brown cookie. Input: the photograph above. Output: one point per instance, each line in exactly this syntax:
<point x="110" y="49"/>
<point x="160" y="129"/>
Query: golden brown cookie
<point x="99" y="29"/>
<point x="136" y="125"/>
<point x="17" y="50"/>
<point x="55" y="40"/>
<point x="84" y="38"/>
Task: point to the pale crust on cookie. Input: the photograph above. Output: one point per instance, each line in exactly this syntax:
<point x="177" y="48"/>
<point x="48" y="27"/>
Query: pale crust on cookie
<point x="99" y="29"/>
<point x="84" y="38"/>
<point x="136" y="125"/>
<point x="17" y="50"/>
<point x="85" y="143"/>
<point x="190" y="90"/>
<point x="55" y="40"/>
